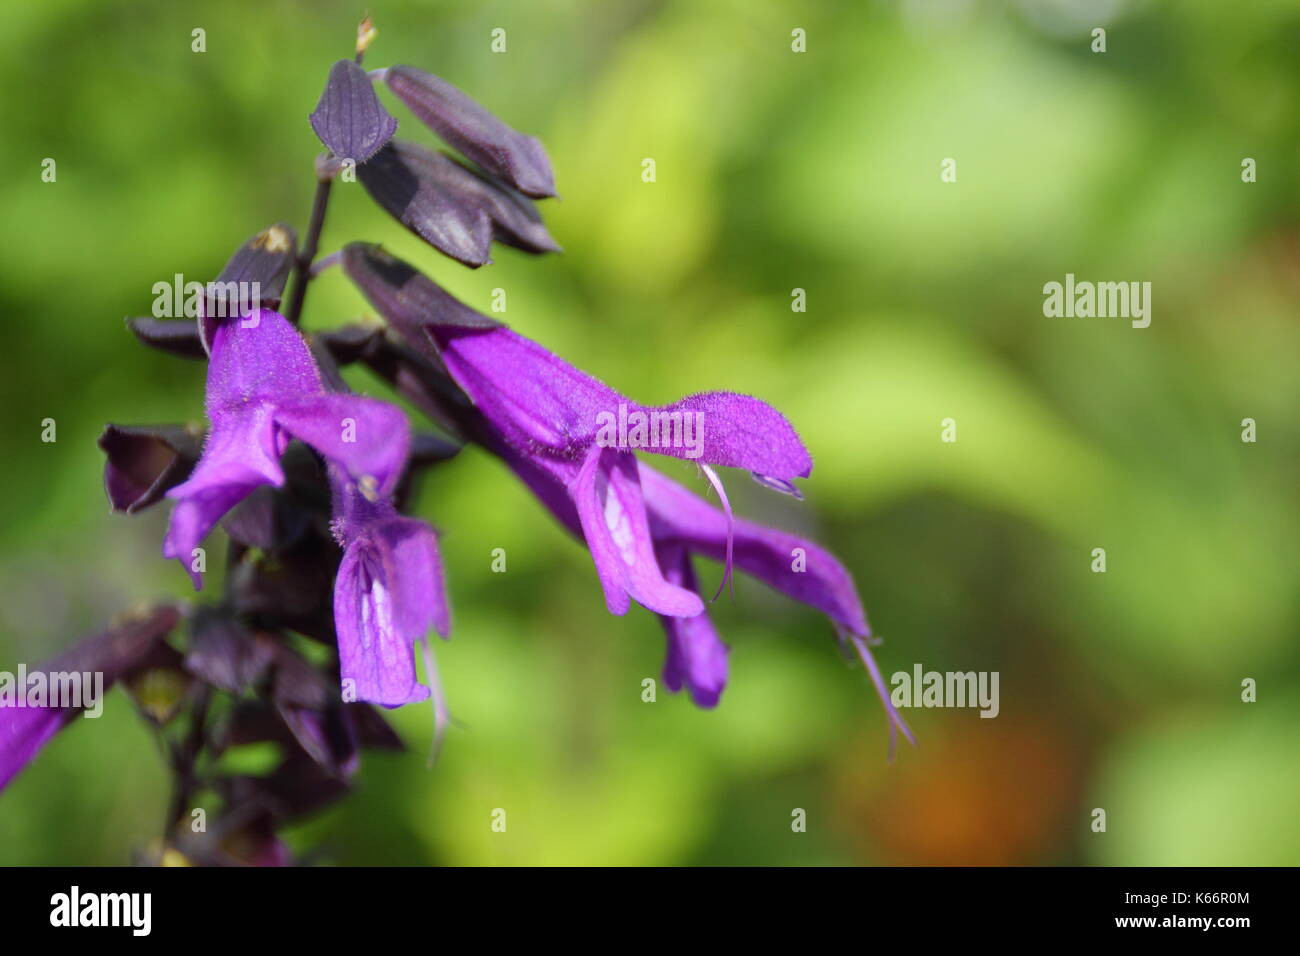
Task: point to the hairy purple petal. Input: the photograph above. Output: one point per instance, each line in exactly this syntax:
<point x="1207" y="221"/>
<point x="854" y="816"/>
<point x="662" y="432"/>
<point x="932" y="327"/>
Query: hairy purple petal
<point x="536" y="399"/>
<point x="240" y="455"/>
<point x="607" y="493"/>
<point x="530" y="395"/>
<point x="389" y="591"/>
<point x="465" y="125"/>
<point x="349" y="118"/>
<point x="263" y="390"/>
<point x="369" y="436"/>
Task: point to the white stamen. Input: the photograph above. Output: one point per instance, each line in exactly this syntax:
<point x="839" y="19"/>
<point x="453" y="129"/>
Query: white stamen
<point x="440" y="716"/>
<point x="727" y="576"/>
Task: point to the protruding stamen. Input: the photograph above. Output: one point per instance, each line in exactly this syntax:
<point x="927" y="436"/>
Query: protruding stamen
<point x="896" y="721"/>
<point x="714" y="480"/>
<point x="440" y="715"/>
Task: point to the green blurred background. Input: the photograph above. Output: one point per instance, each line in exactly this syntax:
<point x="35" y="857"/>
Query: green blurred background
<point x="775" y="171"/>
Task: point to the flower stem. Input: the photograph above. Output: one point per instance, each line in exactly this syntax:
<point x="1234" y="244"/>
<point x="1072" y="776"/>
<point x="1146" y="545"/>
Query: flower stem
<point x="184" y="758"/>
<point x="302" y="267"/>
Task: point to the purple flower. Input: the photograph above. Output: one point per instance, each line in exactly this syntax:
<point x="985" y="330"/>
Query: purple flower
<point x="263" y="390"/>
<point x="388" y="593"/>
<point x="581" y="433"/>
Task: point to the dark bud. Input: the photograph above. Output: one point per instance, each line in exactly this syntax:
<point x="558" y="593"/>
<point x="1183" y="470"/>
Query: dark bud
<point x="466" y="126"/>
<point x="457" y="211"/>
<point x="144" y="461"/>
<point x="274" y="519"/>
<point x="260" y="265"/>
<point x="297" y="788"/>
<point x="427" y="449"/>
<point x="404" y="296"/>
<point x="224" y="654"/>
<point x="290" y="587"/>
<point x="349" y="118"/>
<point x="348" y="343"/>
<point x="173" y="336"/>
<point x="314" y="714"/>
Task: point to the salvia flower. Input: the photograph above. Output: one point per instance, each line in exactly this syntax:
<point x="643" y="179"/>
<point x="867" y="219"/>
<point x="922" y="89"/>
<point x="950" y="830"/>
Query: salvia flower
<point x="292" y="464"/>
<point x="570" y="423"/>
<point x="388" y="593"/>
<point x="263" y="390"/>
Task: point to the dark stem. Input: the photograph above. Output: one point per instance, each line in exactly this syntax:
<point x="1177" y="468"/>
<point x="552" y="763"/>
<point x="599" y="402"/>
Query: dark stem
<point x="302" y="268"/>
<point x="183" y="759"/>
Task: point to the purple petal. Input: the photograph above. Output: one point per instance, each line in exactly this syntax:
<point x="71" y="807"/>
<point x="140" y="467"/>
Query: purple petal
<point x="739" y="431"/>
<point x="264" y="389"/>
<point x="368" y="437"/>
<point x="409" y="551"/>
<point x="464" y="124"/>
<point x="532" y="396"/>
<point x="697" y="658"/>
<point x="240" y="456"/>
<point x="374" y="652"/>
<point x="680" y="517"/>
<point x="23" y="732"/>
<point x="349" y="118"/>
<point x="607" y="494"/>
<point x="535" y="398"/>
<point x="258" y="358"/>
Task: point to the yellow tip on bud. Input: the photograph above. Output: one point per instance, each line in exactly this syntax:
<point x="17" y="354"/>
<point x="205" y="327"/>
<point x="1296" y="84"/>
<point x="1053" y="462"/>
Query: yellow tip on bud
<point x="273" y="239"/>
<point x="366" y="34"/>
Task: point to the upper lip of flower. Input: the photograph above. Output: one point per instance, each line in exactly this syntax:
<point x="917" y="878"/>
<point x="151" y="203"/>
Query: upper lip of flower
<point x="263" y="390"/>
<point x="544" y="407"/>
